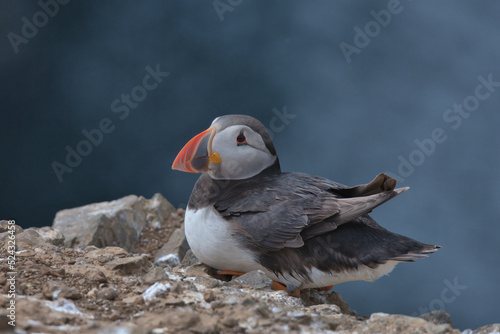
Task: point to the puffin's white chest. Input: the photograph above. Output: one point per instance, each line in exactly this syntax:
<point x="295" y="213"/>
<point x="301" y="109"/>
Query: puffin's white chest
<point x="211" y="240"/>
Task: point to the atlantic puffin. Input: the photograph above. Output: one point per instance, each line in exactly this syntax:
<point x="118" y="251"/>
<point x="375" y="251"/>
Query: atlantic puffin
<point x="303" y="231"/>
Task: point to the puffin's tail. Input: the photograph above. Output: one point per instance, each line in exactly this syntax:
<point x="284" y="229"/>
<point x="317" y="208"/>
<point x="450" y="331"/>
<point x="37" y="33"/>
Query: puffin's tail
<point x="417" y="254"/>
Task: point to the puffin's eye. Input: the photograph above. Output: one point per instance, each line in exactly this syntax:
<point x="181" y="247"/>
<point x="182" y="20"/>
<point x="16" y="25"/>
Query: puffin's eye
<point x="241" y="140"/>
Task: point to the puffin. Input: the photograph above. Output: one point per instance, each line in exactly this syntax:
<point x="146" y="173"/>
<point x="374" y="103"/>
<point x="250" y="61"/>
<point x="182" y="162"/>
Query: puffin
<point x="302" y="231"/>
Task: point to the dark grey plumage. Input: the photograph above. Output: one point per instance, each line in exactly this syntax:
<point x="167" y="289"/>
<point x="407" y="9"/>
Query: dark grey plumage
<point x="297" y="221"/>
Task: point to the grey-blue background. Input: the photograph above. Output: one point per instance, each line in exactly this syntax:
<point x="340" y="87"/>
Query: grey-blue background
<point x="351" y="120"/>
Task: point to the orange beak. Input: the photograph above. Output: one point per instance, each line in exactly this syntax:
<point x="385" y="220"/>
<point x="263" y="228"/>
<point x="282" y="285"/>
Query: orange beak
<point x="195" y="155"/>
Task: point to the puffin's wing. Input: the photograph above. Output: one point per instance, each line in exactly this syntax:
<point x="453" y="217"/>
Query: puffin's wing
<point x="349" y="209"/>
<point x="276" y="212"/>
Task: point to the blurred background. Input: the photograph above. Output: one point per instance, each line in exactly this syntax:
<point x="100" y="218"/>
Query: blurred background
<point x="98" y="98"/>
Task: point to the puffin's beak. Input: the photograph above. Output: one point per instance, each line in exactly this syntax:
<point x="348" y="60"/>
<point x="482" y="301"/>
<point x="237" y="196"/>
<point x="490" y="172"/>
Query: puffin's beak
<point x="197" y="153"/>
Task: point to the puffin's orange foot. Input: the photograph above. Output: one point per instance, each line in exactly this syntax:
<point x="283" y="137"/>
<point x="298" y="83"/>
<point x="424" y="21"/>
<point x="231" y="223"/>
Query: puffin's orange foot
<point x="325" y="288"/>
<point x="278" y="286"/>
<point x="230" y="272"/>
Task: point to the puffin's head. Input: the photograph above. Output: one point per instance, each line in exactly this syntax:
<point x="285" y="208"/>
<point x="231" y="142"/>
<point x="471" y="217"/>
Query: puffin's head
<point x="234" y="147"/>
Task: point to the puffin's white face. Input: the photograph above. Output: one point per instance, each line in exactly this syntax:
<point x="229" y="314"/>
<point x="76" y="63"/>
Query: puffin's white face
<point x="242" y="152"/>
<point x="234" y="152"/>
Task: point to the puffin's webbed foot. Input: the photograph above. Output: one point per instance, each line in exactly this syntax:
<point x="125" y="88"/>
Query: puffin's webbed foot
<point x="380" y="183"/>
<point x="278" y="286"/>
<point x="230" y="272"/>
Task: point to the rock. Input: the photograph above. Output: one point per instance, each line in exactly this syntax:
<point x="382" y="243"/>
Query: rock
<point x="174" y="250"/>
<point x="256" y="279"/>
<point x="207" y="282"/>
<point x="323" y="309"/>
<point x="134" y="300"/>
<point x="53" y="290"/>
<point x="192" y="267"/>
<point x="95" y="275"/>
<point x="158" y="209"/>
<point x="489" y="329"/>
<point x="135" y="265"/>
<point x="197" y="270"/>
<point x="5" y="227"/>
<point x="115" y="223"/>
<point x="230" y="322"/>
<point x="182" y="319"/>
<point x="209" y="296"/>
<point x="4" y="323"/>
<point x="30" y="239"/>
<point x="57" y="272"/>
<point x="92" y="293"/>
<point x="5" y="233"/>
<point x="107" y="254"/>
<point x="49" y="288"/>
<point x="156" y="274"/>
<point x="190" y="259"/>
<point x="108" y="293"/>
<point x="155" y="290"/>
<point x="50" y="235"/>
<point x="69" y="293"/>
<point x="437" y="317"/>
<point x="314" y="297"/>
<point x="123" y="330"/>
<point x="386" y="323"/>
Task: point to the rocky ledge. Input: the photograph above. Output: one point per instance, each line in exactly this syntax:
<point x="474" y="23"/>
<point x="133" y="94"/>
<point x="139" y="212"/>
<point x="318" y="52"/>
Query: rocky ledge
<point x="125" y="267"/>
